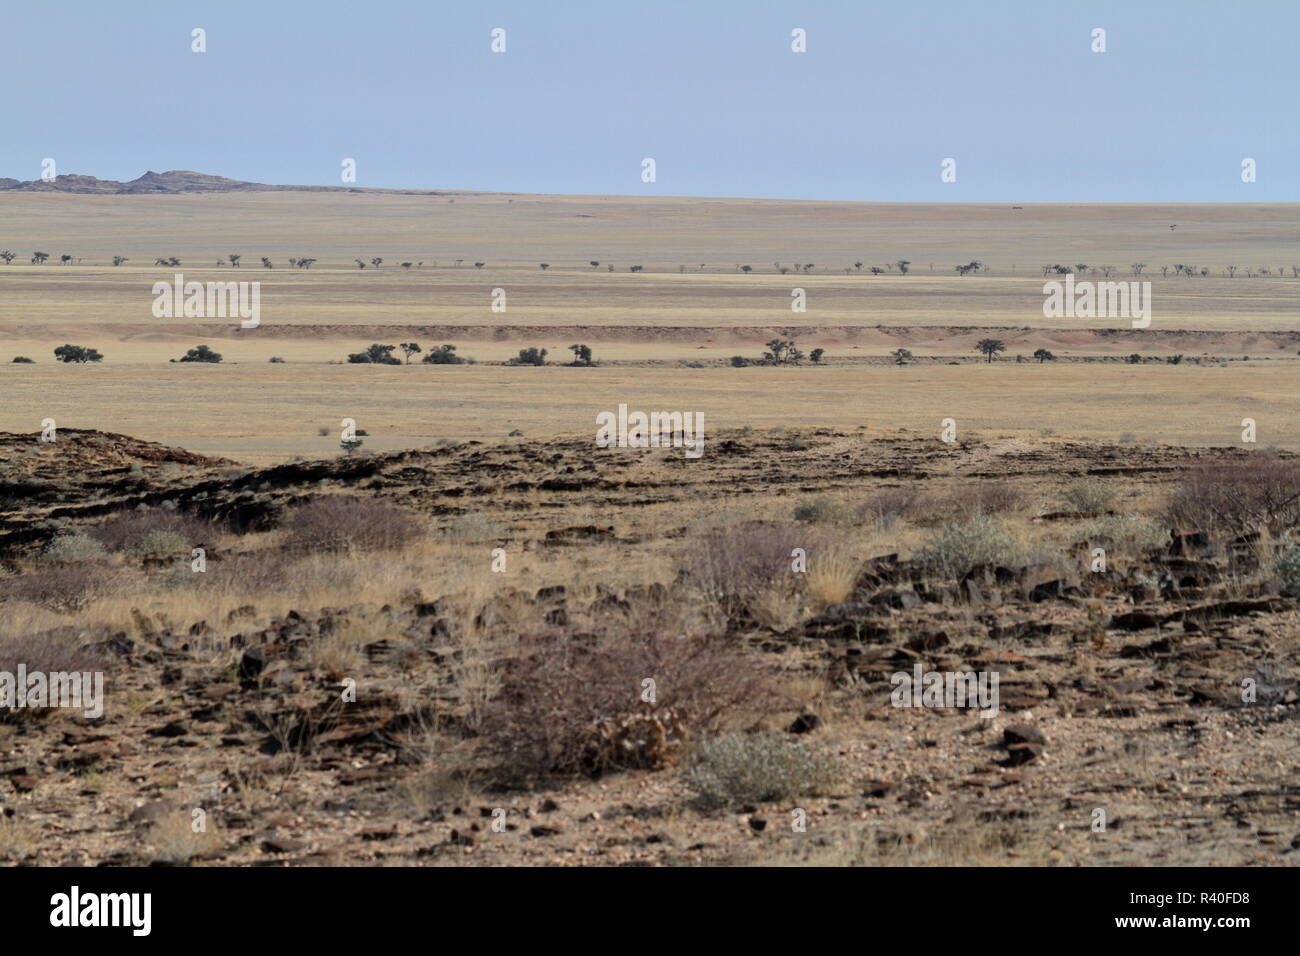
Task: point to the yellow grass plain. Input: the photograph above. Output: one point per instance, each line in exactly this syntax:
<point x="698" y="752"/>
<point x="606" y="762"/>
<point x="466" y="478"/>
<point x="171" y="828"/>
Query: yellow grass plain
<point x="690" y="303"/>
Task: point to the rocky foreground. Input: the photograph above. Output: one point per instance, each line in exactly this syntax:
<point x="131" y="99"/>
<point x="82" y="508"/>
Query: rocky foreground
<point x="1121" y="689"/>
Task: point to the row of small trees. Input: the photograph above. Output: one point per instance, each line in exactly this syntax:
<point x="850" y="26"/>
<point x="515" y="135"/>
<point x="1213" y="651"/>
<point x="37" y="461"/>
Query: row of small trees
<point x="779" y="352"/>
<point x="902" y="265"/>
<point x="378" y="354"/>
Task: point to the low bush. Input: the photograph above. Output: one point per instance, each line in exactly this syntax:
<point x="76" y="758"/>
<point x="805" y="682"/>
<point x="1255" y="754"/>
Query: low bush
<point x="759" y="768"/>
<point x="735" y="568"/>
<point x="957" y="546"/>
<point x="201" y="353"/>
<point x="162" y="542"/>
<point x="1239" y="496"/>
<point x="994" y="498"/>
<point x="68" y="587"/>
<point x="74" y="547"/>
<point x="474" y="527"/>
<point x="823" y="510"/>
<point x="1089" y="496"/>
<point x="443" y="355"/>
<point x="890" y="505"/>
<point x="62" y="649"/>
<point x="530" y="356"/>
<point x="571" y="703"/>
<point x="346" y="523"/>
<point x="376" y="355"/>
<point x="126" y="531"/>
<point x="1125" y="533"/>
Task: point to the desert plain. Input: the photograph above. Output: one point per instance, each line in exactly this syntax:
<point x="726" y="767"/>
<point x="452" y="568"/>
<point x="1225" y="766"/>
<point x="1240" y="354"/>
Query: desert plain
<point x="433" y="648"/>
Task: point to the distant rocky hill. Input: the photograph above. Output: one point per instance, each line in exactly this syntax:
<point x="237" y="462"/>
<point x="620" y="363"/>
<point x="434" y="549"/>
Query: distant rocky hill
<point x="174" y="181"/>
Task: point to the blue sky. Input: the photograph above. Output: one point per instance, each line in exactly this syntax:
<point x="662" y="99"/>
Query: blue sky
<point x="710" y="89"/>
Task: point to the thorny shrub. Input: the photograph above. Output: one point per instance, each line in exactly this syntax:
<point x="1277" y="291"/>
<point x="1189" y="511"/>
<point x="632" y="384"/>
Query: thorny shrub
<point x="127" y="530"/>
<point x="573" y="703"/>
<point x="346" y="523"/>
<point x="1238" y="497"/>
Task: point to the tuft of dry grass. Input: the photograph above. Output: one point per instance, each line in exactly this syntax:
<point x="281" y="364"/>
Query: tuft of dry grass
<point x="18" y="838"/>
<point x="174" y="840"/>
<point x="832" y="573"/>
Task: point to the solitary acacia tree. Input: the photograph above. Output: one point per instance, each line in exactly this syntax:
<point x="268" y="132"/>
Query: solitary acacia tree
<point x="77" y="353"/>
<point x="234" y="259"/>
<point x="8" y="256"/>
<point x="1043" y="355"/>
<point x="901" y="356"/>
<point x="360" y="264"/>
<point x="782" y="352"/>
<point x="479" y="265"/>
<point x="201" y="353"/>
<point x="593" y="263"/>
<point x="544" y="265"/>
<point x="118" y="260"/>
<point x="1138" y="267"/>
<point x="377" y="262"/>
<point x="266" y="263"/>
<point x="990" y="347"/>
<point x="409" y="349"/>
<point x="902" y="265"/>
<point x="581" y="354"/>
<point x="816" y="355"/>
<point x="38" y="258"/>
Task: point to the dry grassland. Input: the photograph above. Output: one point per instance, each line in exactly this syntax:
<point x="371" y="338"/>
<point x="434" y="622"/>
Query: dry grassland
<point x="645" y="326"/>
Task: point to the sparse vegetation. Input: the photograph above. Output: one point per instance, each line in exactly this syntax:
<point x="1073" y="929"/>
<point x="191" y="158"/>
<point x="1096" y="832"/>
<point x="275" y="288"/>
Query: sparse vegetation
<point x="958" y="546"/>
<point x="1238" y="497"/>
<point x="759" y="768"/>
<point x="444" y="355"/>
<point x="201" y="353"/>
<point x="343" y="523"/>
<point x="377" y="355"/>
<point x="1092" y="496"/>
<point x="530" y="356"/>
<point x="77" y="354"/>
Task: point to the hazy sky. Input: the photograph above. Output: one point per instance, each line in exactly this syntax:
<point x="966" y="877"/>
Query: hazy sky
<point x="709" y="88"/>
